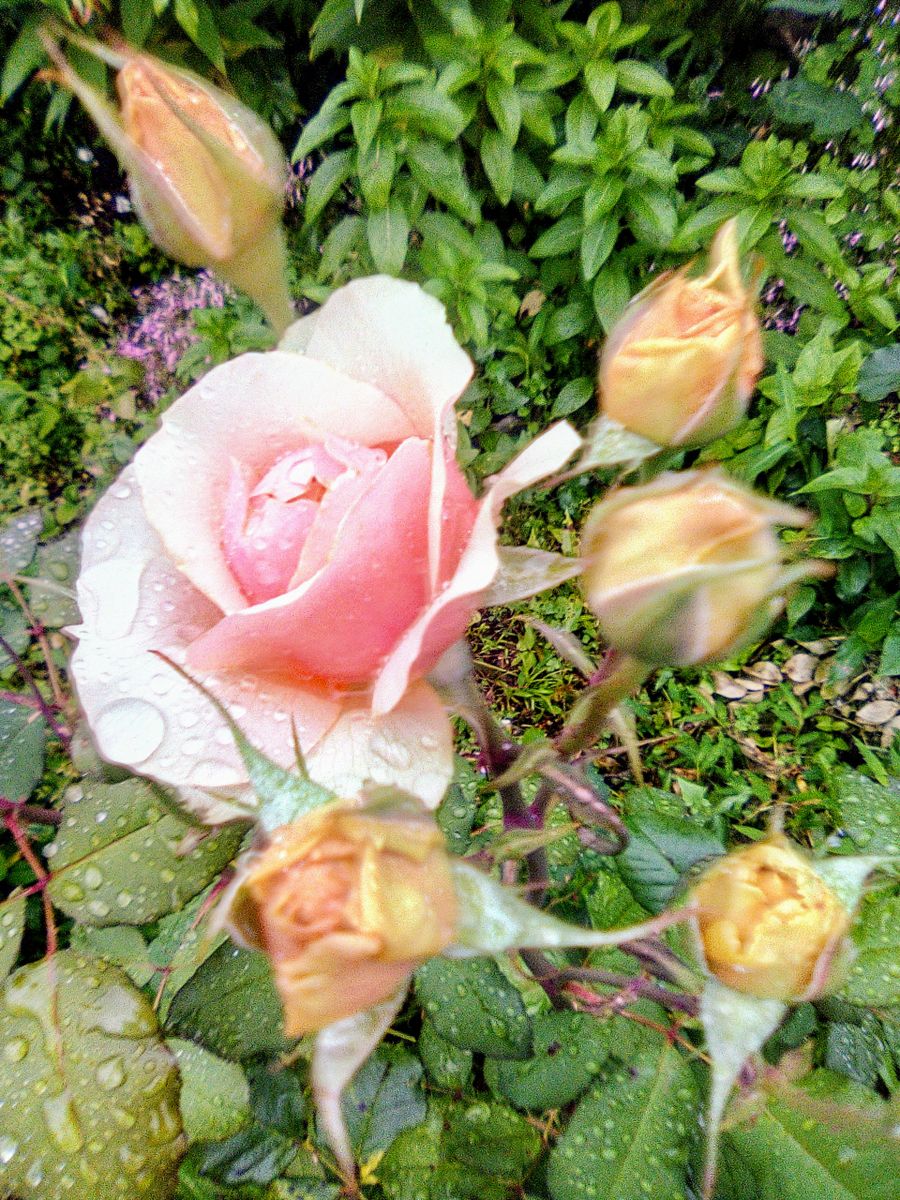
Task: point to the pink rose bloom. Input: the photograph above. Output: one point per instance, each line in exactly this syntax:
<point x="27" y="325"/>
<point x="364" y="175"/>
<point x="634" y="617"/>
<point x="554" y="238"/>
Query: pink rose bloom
<point x="299" y="536"/>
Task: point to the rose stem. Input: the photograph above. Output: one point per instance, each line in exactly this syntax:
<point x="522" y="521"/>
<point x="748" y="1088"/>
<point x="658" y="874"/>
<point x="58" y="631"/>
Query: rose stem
<point x="10" y="820"/>
<point x="47" y="710"/>
<point x="40" y="633"/>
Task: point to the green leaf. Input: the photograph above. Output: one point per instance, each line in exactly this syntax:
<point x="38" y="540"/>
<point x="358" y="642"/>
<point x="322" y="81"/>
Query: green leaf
<point x="462" y="1152"/>
<point x="196" y="19"/>
<point x="597" y="243"/>
<point x="569" y="1050"/>
<point x="456" y="814"/>
<point x="377" y="167"/>
<point x="365" y="116"/>
<point x="441" y="174"/>
<point x="230" y="1005"/>
<point x="330" y="176"/>
<point x="387" y="232"/>
<point x="23" y="58"/>
<point x="446" y="1065"/>
<point x="326" y="124"/>
<point x="12" y="925"/>
<point x="600" y="77"/>
<point x="214" y="1098"/>
<point x="639" y="77"/>
<point x="802" y="101"/>
<point x="630" y="1132"/>
<point x="874" y="977"/>
<point x="611" y="292"/>
<point x="51" y="595"/>
<point x="497" y="160"/>
<point x="575" y="394"/>
<point x="879" y="375"/>
<point x="652" y="216"/>
<point x="426" y="109"/>
<point x="815" y="236"/>
<point x="474" y="1006"/>
<point x="88" y="1091"/>
<point x="18" y="541"/>
<point x="869" y="812"/>
<point x="793" y="1156"/>
<point x="137" y="20"/>
<point x="23" y="733"/>
<point x="561" y="238"/>
<point x="122" y="945"/>
<point x="121" y="857"/>
<point x="506" y="109"/>
<point x="253" y="1156"/>
<point x="384" y="1098"/>
<point x="660" y="853"/>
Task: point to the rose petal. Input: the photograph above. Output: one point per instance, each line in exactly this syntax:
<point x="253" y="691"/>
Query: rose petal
<point x="446" y="618"/>
<point x="340" y="624"/>
<point x="252" y="409"/>
<point x="411" y="747"/>
<point x="142" y="713"/>
<point x="389" y="333"/>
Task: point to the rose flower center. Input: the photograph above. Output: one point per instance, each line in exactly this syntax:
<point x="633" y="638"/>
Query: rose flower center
<point x="277" y="528"/>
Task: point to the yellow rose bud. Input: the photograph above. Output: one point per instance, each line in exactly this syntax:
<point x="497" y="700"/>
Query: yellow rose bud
<point x="207" y="175"/>
<point x="769" y="926"/>
<point x="346" y="903"/>
<point x="684" y="569"/>
<point x="680" y="366"/>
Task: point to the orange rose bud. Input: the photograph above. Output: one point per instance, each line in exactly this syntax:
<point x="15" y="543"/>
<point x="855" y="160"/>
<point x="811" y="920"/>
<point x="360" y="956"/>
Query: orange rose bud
<point x="346" y="903"/>
<point x="207" y="175"/>
<point x="685" y="569"/>
<point x="680" y="366"/>
<point x="769" y="925"/>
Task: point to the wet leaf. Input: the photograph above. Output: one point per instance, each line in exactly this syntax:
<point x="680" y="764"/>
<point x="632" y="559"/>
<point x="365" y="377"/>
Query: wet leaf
<point x="19" y="540"/>
<point x="121" y="945"/>
<point x="88" y="1091"/>
<point x="23" y="733"/>
<point x="181" y="945"/>
<point x="12" y="924"/>
<point x="446" y="1065"/>
<point x="792" y="1156"/>
<point x="569" y="1050"/>
<point x="51" y="594"/>
<point x="122" y="857"/>
<point x="384" y="1098"/>
<point x="230" y="1005"/>
<point x="631" y="1131"/>
<point x="874" y="977"/>
<point x="869" y="811"/>
<point x="215" y="1097"/>
<point x="660" y="853"/>
<point x="472" y="1004"/>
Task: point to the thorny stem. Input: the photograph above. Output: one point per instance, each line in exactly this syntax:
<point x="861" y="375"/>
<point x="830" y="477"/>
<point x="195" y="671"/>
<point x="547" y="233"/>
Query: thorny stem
<point x="30" y="812"/>
<point x="48" y="712"/>
<point x="631" y="987"/>
<point x="10" y="820"/>
<point x="40" y="633"/>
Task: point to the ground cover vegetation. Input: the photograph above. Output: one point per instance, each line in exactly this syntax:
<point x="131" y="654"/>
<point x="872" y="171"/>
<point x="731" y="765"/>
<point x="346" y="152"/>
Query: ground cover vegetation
<point x="533" y="166"/>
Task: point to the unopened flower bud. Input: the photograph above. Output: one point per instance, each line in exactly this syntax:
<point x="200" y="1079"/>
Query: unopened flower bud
<point x="687" y="568"/>
<point x="680" y="366"/>
<point x="769" y="925"/>
<point x="346" y="903"/>
<point x="207" y="175"/>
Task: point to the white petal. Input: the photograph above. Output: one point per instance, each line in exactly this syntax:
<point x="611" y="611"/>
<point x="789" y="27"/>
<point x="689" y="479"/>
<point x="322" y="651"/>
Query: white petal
<point x="392" y="334"/>
<point x="410" y="747"/>
<point x="142" y="713"/>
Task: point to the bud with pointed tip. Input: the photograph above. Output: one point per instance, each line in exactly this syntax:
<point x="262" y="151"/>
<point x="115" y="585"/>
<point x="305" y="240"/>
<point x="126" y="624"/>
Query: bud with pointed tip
<point x="346" y="903"/>
<point x="685" y="569"/>
<point x="769" y="925"/>
<point x="206" y="173"/>
<point x="680" y="366"/>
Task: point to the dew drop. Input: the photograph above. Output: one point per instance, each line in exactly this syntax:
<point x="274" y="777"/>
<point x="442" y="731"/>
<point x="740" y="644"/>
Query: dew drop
<point x="62" y="1123"/>
<point x="98" y="908"/>
<point x="394" y="753"/>
<point x="111" y="1074"/>
<point x="8" y="1149"/>
<point x="16" y="1050"/>
<point x="123" y="899"/>
<point x="131" y="730"/>
<point x="93" y="878"/>
<point x="34" y="1176"/>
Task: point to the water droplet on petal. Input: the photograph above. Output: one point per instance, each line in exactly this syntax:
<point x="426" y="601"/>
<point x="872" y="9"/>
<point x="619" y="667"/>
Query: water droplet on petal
<point x="130" y="730"/>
